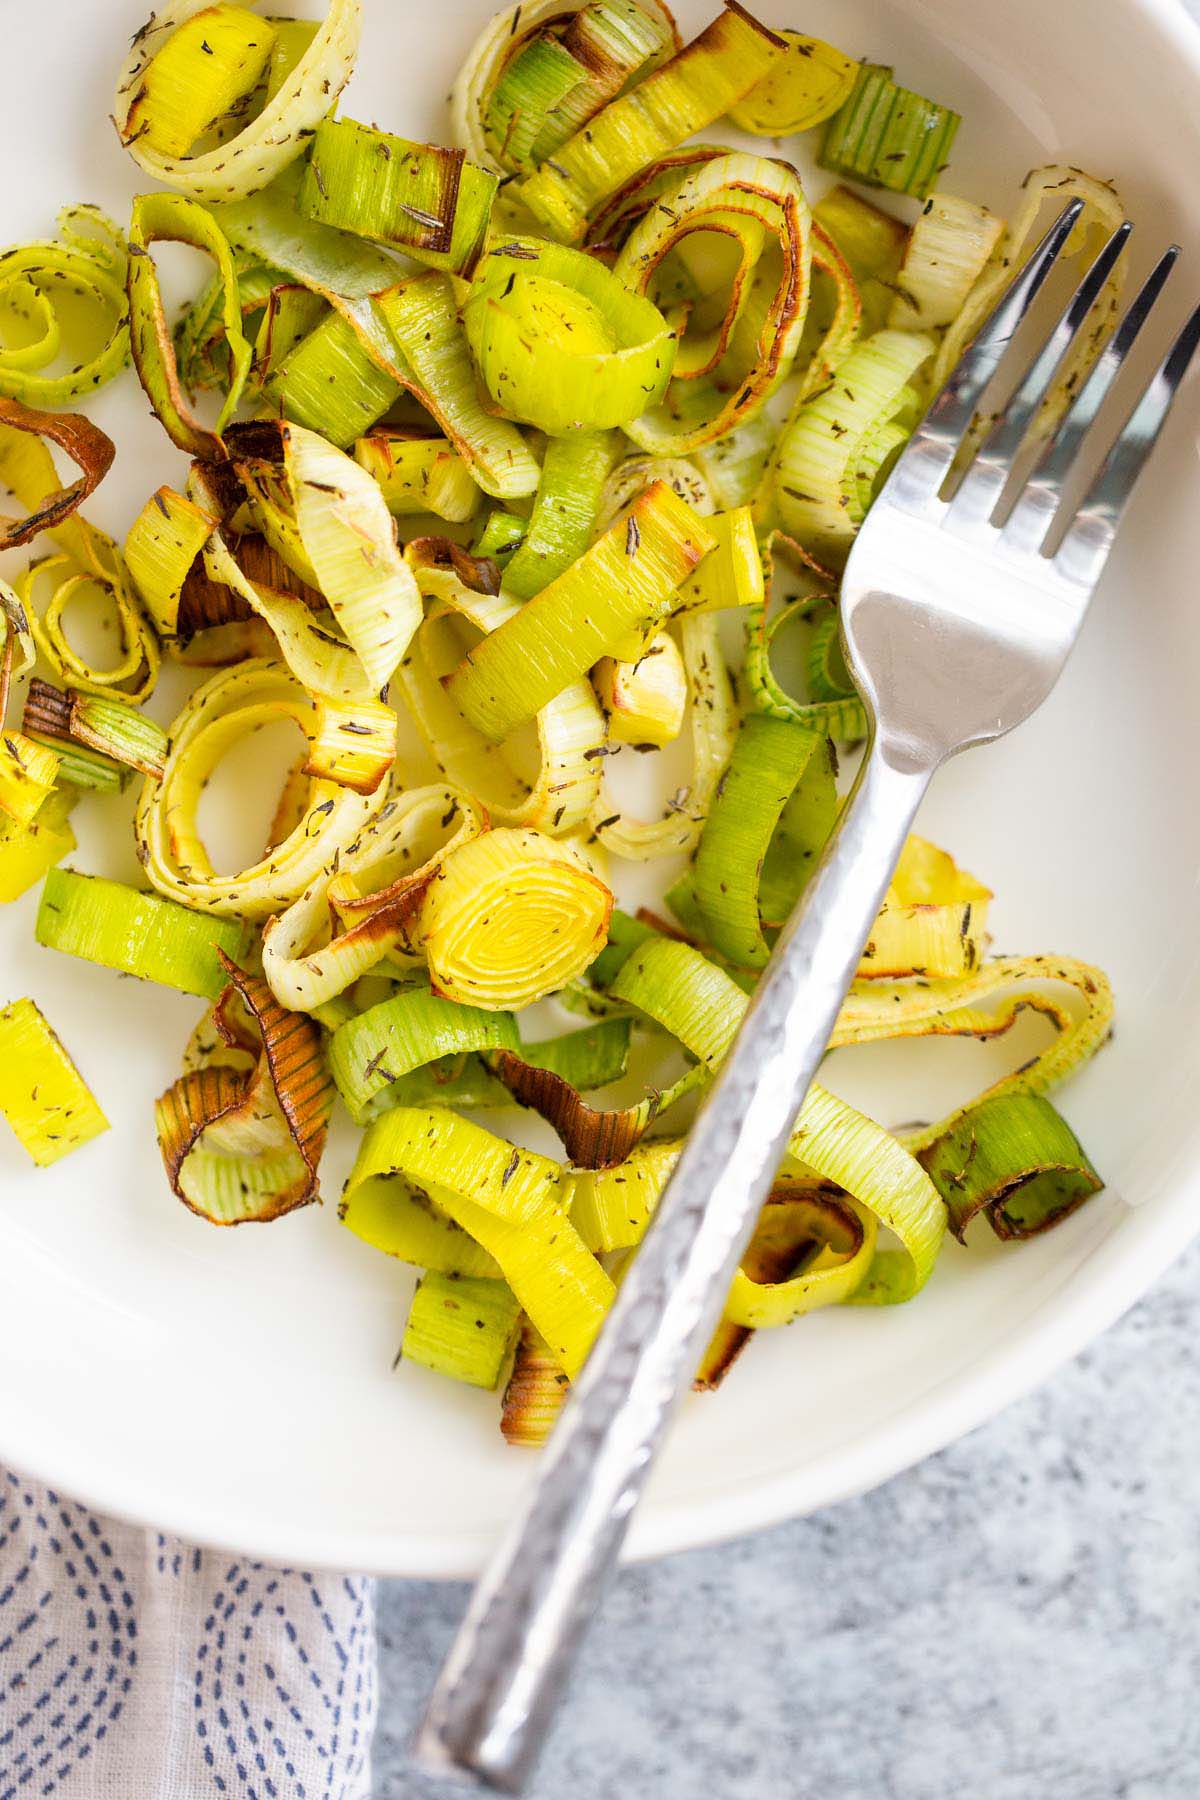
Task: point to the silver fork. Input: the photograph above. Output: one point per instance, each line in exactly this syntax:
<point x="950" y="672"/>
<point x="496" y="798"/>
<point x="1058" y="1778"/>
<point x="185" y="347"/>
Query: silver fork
<point x="955" y="629"/>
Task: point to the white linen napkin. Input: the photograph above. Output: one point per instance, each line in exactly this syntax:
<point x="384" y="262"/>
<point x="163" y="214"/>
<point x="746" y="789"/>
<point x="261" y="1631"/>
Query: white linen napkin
<point x="136" y="1667"/>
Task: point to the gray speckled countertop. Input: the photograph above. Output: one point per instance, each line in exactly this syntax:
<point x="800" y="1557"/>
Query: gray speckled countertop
<point x="1014" y="1619"/>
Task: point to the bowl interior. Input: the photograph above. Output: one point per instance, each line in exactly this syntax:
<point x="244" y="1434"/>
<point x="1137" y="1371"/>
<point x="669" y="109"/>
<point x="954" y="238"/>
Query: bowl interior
<point x="236" y="1386"/>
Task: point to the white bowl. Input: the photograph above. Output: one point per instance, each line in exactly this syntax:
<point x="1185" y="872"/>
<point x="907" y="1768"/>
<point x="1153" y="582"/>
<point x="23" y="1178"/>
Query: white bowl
<point x="235" y="1386"/>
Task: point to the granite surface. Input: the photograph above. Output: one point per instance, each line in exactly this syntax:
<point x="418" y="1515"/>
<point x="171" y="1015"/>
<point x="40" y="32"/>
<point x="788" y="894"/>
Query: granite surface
<point x="1014" y="1619"/>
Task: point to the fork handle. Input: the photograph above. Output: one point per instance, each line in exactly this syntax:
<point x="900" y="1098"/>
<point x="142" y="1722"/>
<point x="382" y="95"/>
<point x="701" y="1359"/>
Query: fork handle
<point x="497" y="1692"/>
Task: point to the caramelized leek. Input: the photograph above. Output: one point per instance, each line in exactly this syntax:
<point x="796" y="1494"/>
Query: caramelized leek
<point x="42" y="1094"/>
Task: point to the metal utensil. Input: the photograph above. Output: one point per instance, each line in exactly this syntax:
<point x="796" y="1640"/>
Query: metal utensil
<point x="955" y="628"/>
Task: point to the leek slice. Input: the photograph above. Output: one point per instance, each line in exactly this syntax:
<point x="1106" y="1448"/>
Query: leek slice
<point x="48" y="720"/>
<point x="137" y="934"/>
<point x="613" y="351"/>
<point x="229" y="706"/>
<point x="417" y="473"/>
<point x="426" y="201"/>
<point x="933" y="921"/>
<point x="808" y="83"/>
<point x="27" y="468"/>
<point x="559" y="529"/>
<point x="510" y="1200"/>
<point x="28" y="852"/>
<point x="703" y="1008"/>
<point x="712" y="721"/>
<point x="331" y="383"/>
<point x="539" y="71"/>
<point x="770" y="819"/>
<point x="173" y="217"/>
<point x="871" y="244"/>
<point x="42" y="1094"/>
<point x="841" y="716"/>
<point x="120" y="732"/>
<point x="889" y="137"/>
<point x="534" y="1395"/>
<point x="504" y="532"/>
<point x="379" y="1046"/>
<point x="375" y="895"/>
<point x="725" y="370"/>
<point x="28" y="771"/>
<point x="949" y="247"/>
<point x="268" y="143"/>
<point x="510" y="917"/>
<point x="163" y="543"/>
<point x="87" y="260"/>
<point x="733" y="465"/>
<point x="463" y="1327"/>
<point x="674" y="102"/>
<point x="135" y="671"/>
<point x="623" y="584"/>
<point x="592" y="1057"/>
<point x="838" y="447"/>
<point x="732" y="572"/>
<point x="570" y="727"/>
<point x="207" y="68"/>
<point x="242" y="1130"/>
<point x="1015" y="1159"/>
<point x="646" y="701"/>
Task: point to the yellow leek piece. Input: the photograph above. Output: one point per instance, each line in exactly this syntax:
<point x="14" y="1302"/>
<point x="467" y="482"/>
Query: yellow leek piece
<point x="645" y="700"/>
<point x="214" y="60"/>
<point x="42" y="1094"/>
<point x="28" y="852"/>
<point x="352" y="743"/>
<point x="510" y="917"/>
<point x="948" y="249"/>
<point x="27" y="774"/>
<point x="511" y="1201"/>
<point x="674" y="102"/>
<point x="417" y="473"/>
<point x="163" y="542"/>
<point x="622" y="585"/>
<point x="732" y="573"/>
<point x="270" y="140"/>
<point x="933" y="921"/>
<point x="808" y="83"/>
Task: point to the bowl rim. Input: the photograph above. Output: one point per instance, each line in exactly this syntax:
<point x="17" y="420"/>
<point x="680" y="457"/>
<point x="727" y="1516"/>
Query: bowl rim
<point x="1106" y="1283"/>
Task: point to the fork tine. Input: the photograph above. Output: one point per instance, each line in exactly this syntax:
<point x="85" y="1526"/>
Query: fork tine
<point x="983" y="483"/>
<point x="1085" y="548"/>
<point x="1027" y="524"/>
<point x="923" y="463"/>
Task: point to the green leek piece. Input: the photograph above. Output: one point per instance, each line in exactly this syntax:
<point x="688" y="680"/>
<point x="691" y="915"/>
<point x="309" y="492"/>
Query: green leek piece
<point x="511" y="1201"/>
<point x="86" y="262"/>
<point x="419" y="198"/>
<point x="42" y="1094"/>
<point x="702" y="1007"/>
<point x="888" y="136"/>
<point x="774" y="810"/>
<point x="504" y="532"/>
<point x="535" y="83"/>
<point x="622" y="585"/>
<point x="838" y="447"/>
<point x="463" y="1327"/>
<point x="1015" y="1159"/>
<point x="376" y="1048"/>
<point x="419" y="473"/>
<point x="293" y="38"/>
<point x="675" y="101"/>
<point x="119" y="731"/>
<point x="290" y="313"/>
<point x="330" y="384"/>
<point x="28" y="771"/>
<point x="534" y="306"/>
<point x="592" y="1057"/>
<point x="137" y="934"/>
<point x="559" y="530"/>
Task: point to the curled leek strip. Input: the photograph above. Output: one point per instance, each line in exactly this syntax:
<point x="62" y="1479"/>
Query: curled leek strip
<point x="174" y="218"/>
<point x="699" y="1004"/>
<point x="135" y="670"/>
<point x="424" y="200"/>
<point x="163" y="543"/>
<point x="623" y="585"/>
<point x="511" y="1201"/>
<point x="534" y="69"/>
<point x="766" y="827"/>
<point x="375" y="897"/>
<point x="871" y="244"/>
<point x="673" y="103"/>
<point x="139" y="934"/>
<point x="224" y="709"/>
<point x="839" y="445"/>
<point x="841" y="717"/>
<point x="268" y="143"/>
<point x="575" y="471"/>
<point x="510" y="917"/>
<point x="933" y="921"/>
<point x="646" y="701"/>
<point x="570" y="726"/>
<point x="1015" y="1159"/>
<point x="87" y="260"/>
<point x="418" y="473"/>
<point x="612" y="350"/>
<point x="591" y="1057"/>
<point x="27" y="468"/>
<point x="712" y="718"/>
<point x="45" y="1099"/>
<point x="242" y="1130"/>
<point x="29" y="852"/>
<point x="730" y="363"/>
<point x="948" y="249"/>
<point x="634" y="474"/>
<point x="733" y="465"/>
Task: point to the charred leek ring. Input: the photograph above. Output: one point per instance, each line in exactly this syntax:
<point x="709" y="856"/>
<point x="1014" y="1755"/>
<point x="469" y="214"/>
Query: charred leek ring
<point x="728" y="368"/>
<point x="612" y="350"/>
<point x="88" y="261"/>
<point x="26" y="467"/>
<point x="242" y="1131"/>
<point x="220" y="712"/>
<point x="269" y="142"/>
<point x="842" y="718"/>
